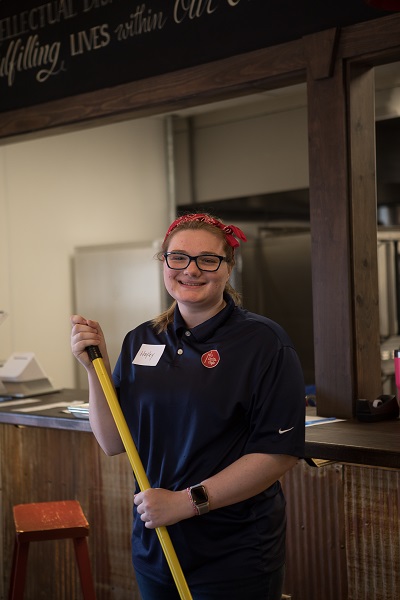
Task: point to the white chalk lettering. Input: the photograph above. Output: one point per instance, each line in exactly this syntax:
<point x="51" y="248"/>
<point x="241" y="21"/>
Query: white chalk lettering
<point x="32" y="55"/>
<point x="36" y="18"/>
<point x="193" y="9"/>
<point x="143" y="20"/>
<point x="90" y="4"/>
<point x="94" y="39"/>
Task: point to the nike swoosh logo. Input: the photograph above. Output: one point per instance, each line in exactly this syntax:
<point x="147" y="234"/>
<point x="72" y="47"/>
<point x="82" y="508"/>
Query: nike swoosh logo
<point x="285" y="430"/>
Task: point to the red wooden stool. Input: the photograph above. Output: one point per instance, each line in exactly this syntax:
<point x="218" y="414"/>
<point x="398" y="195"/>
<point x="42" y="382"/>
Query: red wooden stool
<point x="50" y="521"/>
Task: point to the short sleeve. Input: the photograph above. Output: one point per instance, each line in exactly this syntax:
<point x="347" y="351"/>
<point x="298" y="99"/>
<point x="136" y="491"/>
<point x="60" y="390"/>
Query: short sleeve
<point x="277" y="419"/>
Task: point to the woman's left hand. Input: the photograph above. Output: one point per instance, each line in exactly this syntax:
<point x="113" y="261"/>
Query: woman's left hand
<point x="158" y="507"/>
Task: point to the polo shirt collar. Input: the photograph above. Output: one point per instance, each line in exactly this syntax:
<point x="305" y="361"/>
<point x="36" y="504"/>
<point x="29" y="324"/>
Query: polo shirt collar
<point x="202" y="332"/>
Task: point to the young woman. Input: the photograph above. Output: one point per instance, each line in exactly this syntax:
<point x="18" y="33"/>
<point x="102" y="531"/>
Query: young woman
<point x="214" y="398"/>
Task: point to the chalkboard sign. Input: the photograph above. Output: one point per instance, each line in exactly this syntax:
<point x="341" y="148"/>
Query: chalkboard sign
<point x="51" y="50"/>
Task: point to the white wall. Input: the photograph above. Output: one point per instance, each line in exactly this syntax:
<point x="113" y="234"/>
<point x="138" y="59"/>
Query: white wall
<point x="242" y="151"/>
<point x="98" y="186"/>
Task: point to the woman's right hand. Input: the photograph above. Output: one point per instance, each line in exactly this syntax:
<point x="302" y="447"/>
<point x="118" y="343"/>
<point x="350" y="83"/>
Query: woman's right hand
<point x="86" y="333"/>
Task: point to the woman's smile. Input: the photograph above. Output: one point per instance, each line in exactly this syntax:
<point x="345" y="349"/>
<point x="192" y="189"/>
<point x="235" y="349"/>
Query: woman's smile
<point x="191" y="283"/>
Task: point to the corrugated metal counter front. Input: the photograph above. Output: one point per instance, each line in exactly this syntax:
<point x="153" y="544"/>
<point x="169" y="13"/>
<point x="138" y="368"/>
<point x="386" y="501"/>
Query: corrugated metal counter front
<point x="47" y="454"/>
<point x="340" y="516"/>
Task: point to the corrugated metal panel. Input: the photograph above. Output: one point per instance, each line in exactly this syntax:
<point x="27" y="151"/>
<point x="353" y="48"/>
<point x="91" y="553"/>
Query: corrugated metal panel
<point x="316" y="554"/>
<point x="372" y="499"/>
<point x="343" y="540"/>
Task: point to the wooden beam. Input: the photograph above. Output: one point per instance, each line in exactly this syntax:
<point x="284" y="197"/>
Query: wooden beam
<point x="364" y="266"/>
<point x="330" y="238"/>
<point x="320" y="50"/>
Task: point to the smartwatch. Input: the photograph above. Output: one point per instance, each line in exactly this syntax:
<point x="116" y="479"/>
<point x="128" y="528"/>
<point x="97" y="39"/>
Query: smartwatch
<point x="199" y="498"/>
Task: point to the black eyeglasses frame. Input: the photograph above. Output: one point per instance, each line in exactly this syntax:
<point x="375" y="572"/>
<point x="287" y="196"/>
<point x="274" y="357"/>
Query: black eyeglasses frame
<point x="191" y="258"/>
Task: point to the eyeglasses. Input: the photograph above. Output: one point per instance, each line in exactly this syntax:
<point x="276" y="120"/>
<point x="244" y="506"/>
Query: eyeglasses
<point x="205" y="262"/>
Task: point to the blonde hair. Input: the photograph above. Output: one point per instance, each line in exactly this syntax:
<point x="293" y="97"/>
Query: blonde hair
<point x="161" y="322"/>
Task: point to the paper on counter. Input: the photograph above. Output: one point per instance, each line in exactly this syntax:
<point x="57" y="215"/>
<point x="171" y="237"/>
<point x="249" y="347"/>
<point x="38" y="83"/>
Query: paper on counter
<point x="47" y="406"/>
<point x="18" y="402"/>
<point x="321" y="420"/>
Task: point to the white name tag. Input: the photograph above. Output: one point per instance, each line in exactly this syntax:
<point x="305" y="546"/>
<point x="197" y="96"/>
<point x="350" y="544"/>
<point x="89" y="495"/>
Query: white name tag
<point x="149" y="355"/>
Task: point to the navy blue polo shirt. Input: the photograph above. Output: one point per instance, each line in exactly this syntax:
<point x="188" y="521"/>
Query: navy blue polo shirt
<point x="195" y="400"/>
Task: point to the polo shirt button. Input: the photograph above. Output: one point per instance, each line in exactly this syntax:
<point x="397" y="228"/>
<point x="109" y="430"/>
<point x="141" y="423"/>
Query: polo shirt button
<point x="180" y="351"/>
<point x="187" y="333"/>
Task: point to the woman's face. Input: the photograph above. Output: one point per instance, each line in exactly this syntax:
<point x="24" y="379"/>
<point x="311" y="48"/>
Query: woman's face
<point x="191" y="287"/>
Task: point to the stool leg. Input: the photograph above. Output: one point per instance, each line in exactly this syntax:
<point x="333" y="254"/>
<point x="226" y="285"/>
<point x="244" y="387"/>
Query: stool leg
<point x="85" y="572"/>
<point x="18" y="571"/>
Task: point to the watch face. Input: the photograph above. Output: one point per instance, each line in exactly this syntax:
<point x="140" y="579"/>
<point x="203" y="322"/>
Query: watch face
<point x="199" y="494"/>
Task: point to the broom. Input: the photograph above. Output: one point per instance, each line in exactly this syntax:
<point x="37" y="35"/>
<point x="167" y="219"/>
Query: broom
<point x="137" y="466"/>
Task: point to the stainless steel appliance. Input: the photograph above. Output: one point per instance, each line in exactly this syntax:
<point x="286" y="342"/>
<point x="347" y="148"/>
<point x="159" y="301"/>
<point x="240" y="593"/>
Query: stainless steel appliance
<point x="274" y="270"/>
<point x="275" y="280"/>
<point x="389" y="302"/>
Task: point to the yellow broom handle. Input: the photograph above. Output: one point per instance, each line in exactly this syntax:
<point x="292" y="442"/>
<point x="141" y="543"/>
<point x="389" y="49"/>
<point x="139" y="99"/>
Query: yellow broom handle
<point x="137" y="466"/>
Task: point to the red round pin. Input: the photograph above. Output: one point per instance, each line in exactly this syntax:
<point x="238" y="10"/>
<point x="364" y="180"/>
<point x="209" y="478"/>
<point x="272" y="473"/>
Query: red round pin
<point x="210" y="359"/>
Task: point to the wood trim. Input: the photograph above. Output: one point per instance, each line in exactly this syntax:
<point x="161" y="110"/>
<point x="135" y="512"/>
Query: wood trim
<point x="343" y="220"/>
<point x="330" y="243"/>
<point x="320" y="49"/>
<point x="363" y="218"/>
<point x="376" y="40"/>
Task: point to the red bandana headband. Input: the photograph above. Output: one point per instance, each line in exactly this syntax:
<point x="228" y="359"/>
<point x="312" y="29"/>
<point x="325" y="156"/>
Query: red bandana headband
<point x="230" y="231"/>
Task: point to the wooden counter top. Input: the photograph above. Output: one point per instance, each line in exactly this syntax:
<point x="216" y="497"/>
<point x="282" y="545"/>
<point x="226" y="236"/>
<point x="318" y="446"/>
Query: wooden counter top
<point x="372" y="444"/>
